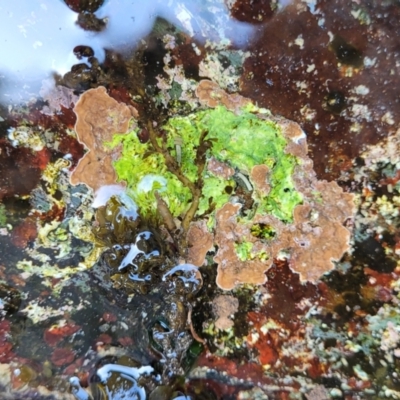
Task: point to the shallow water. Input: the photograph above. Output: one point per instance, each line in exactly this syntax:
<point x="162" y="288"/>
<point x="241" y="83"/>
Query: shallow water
<point x="66" y="307"/>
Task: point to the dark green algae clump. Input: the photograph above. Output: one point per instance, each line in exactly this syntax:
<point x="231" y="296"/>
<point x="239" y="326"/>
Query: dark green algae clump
<point x="140" y="275"/>
<point x="136" y="254"/>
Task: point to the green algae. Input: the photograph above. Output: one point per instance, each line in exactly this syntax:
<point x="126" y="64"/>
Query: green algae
<point x="243" y="250"/>
<point x="3" y="216"/>
<point x="263" y="231"/>
<point x="241" y="141"/>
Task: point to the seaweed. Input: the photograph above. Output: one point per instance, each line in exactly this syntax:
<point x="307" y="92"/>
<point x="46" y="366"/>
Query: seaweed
<point x="179" y="175"/>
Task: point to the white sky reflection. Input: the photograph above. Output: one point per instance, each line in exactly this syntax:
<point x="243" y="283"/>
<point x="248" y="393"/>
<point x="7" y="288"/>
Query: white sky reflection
<point x="37" y="37"/>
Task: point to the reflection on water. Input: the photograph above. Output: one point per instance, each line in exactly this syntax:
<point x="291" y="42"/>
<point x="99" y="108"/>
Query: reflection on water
<point x="39" y="36"/>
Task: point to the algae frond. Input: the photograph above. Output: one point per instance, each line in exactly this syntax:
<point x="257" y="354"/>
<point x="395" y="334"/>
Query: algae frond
<point x="3" y="216"/>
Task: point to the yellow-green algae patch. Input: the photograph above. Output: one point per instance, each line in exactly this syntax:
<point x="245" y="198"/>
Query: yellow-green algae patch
<point x="240" y="140"/>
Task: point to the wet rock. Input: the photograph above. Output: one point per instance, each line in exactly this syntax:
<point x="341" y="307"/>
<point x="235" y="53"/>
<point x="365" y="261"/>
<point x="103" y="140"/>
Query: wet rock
<point x="10" y="299"/>
<point x="346" y="53"/>
<point x="370" y="252"/>
<point x="20" y="170"/>
<point x="83" y="52"/>
<point x="84" y="5"/>
<point x="80" y="78"/>
<point x="89" y="22"/>
<point x="323" y="69"/>
<point x="253" y="12"/>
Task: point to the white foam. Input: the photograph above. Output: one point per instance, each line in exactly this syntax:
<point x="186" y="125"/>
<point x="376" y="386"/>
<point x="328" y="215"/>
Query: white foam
<point x="104" y="194"/>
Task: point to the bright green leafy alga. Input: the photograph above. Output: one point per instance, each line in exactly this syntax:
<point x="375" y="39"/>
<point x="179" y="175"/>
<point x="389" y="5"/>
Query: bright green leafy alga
<point x="241" y="141"/>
